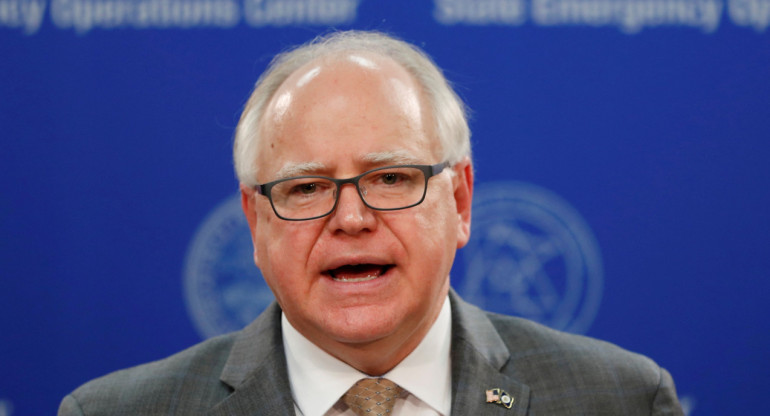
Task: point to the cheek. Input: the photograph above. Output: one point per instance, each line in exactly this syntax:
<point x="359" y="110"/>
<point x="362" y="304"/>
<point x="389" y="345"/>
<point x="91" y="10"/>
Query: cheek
<point x="285" y="246"/>
<point x="283" y="251"/>
<point x="434" y="228"/>
<point x="440" y="213"/>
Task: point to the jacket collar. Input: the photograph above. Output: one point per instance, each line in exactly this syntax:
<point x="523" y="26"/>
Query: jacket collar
<point x="478" y="358"/>
<point x="256" y="367"/>
<point x="256" y="370"/>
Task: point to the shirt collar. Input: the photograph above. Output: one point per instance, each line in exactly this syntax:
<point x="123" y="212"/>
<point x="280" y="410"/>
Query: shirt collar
<point x="318" y="379"/>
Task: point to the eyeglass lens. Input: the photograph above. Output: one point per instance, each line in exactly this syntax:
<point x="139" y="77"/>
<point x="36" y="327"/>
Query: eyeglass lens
<point x="307" y="197"/>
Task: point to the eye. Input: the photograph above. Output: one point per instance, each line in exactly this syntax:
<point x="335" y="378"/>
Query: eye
<point x="390" y="178"/>
<point x="306" y="188"/>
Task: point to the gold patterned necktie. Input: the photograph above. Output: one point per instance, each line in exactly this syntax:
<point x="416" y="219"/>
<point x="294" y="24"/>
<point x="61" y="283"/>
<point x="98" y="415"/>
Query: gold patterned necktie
<point x="372" y="396"/>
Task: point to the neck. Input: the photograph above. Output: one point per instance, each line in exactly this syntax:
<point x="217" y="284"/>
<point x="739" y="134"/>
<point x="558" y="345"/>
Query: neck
<point x="379" y="356"/>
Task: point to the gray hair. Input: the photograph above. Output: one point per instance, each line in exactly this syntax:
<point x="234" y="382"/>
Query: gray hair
<point x="449" y="110"/>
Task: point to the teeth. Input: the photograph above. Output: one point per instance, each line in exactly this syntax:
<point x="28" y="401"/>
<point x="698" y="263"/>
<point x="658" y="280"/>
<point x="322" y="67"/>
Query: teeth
<point x="356" y="279"/>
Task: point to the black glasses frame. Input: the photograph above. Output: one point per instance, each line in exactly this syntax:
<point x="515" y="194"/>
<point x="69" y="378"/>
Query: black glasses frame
<point x="428" y="170"/>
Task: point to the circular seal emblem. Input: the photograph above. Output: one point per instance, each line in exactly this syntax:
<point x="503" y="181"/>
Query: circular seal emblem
<point x="223" y="288"/>
<point x="531" y="254"/>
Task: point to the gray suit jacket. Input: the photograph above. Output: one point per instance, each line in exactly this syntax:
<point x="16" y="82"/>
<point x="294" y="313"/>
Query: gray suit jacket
<point x="545" y="371"/>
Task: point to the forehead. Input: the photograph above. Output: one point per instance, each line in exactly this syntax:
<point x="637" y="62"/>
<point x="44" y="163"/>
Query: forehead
<point x="355" y="107"/>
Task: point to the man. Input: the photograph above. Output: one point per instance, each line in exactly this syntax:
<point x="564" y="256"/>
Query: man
<point x="354" y="162"/>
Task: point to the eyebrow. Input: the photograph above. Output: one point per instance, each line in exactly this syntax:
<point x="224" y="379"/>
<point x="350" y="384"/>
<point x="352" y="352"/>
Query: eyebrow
<point x="398" y="157"/>
<point x="298" y="169"/>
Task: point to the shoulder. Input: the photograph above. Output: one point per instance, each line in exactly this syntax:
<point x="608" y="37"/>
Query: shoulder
<point x="558" y="364"/>
<point x="186" y="380"/>
<point x="530" y="349"/>
<point x="531" y="342"/>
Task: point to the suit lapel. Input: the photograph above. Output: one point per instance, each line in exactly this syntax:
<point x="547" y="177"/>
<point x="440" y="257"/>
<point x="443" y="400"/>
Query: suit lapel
<point x="256" y="371"/>
<point x="478" y="356"/>
<point x="256" y="368"/>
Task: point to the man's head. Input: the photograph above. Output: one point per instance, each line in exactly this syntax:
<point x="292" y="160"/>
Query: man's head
<point x="363" y="284"/>
<point x="448" y="109"/>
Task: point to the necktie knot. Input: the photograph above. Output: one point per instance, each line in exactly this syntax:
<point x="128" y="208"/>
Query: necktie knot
<point x="372" y="396"/>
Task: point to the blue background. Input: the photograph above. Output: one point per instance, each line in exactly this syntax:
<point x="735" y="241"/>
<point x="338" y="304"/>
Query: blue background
<point x="116" y="146"/>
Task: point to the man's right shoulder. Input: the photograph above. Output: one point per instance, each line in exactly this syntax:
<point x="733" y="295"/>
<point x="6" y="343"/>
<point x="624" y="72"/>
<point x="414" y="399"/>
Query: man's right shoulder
<point x="183" y="383"/>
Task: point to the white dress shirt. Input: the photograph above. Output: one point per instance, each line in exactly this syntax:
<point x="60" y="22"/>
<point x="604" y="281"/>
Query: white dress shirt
<point x="318" y="380"/>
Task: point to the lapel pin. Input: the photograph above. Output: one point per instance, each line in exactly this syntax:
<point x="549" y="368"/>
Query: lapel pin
<point x="500" y="397"/>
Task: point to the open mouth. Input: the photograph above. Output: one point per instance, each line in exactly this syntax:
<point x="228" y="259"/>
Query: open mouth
<point x="358" y="272"/>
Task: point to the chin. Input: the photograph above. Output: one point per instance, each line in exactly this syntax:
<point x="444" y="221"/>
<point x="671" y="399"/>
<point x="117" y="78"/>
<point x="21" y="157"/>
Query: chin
<point x="361" y="326"/>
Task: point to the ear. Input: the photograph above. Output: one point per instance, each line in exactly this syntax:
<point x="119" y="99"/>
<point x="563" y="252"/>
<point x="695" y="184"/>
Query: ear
<point x="248" y="204"/>
<point x="463" y="193"/>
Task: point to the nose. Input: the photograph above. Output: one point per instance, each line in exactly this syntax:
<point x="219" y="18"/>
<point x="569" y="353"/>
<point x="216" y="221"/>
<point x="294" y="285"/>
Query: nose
<point x="351" y="216"/>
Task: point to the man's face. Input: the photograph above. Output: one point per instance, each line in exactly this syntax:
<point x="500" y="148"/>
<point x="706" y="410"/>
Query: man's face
<point x="357" y="277"/>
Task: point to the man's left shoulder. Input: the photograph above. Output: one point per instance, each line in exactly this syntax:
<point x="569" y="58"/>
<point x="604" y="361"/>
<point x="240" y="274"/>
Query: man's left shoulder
<point x="536" y="344"/>
<point x="555" y="363"/>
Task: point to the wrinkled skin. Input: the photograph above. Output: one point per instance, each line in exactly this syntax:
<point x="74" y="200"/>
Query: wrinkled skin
<point x="339" y="117"/>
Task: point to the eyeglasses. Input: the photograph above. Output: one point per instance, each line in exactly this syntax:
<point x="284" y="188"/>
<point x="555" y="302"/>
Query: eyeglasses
<point x="388" y="188"/>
